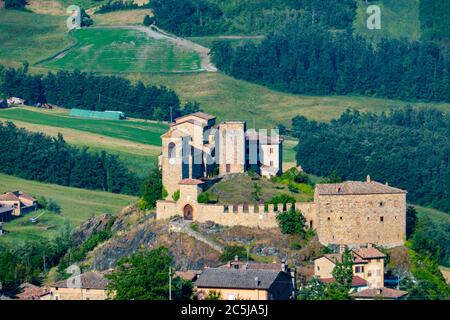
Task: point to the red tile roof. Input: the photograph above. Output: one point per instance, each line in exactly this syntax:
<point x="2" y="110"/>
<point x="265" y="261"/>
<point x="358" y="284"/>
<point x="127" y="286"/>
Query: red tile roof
<point x="9" y="196"/>
<point x="386" y="293"/>
<point x="191" y="182"/>
<point x="200" y="115"/>
<point x="369" y="253"/>
<point x="356" y="281"/>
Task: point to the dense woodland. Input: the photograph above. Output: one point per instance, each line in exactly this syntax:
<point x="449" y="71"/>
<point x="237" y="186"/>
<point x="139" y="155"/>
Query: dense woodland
<point x="120" y="5"/>
<point x="408" y="148"/>
<point x="210" y="17"/>
<point x="435" y="19"/>
<point x="87" y="91"/>
<point x="35" y="156"/>
<point x="316" y="61"/>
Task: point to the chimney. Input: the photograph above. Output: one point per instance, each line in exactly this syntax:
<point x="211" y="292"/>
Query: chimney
<point x="386" y="183"/>
<point x="369" y="245"/>
<point x="236" y="258"/>
<point x="283" y="265"/>
<point x="368" y="178"/>
<point x="341" y="248"/>
<point x="257" y="282"/>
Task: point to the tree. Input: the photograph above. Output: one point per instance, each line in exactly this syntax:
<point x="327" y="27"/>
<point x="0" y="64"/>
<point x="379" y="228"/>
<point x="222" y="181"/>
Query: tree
<point x="145" y="276"/>
<point x="214" y="295"/>
<point x="148" y="20"/>
<point x="15" y="4"/>
<point x="343" y="270"/>
<point x="151" y="190"/>
<point x="231" y="252"/>
<point x="86" y="20"/>
<point x="291" y="222"/>
<point x="411" y="220"/>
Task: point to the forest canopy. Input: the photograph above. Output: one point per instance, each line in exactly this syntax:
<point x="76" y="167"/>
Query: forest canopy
<point x="408" y="148"/>
<point x="309" y="59"/>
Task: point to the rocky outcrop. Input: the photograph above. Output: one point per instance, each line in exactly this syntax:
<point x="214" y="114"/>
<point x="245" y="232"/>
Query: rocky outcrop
<point x="94" y="224"/>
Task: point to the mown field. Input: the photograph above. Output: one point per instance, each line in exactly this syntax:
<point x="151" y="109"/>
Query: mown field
<point x="399" y="19"/>
<point x="124" y="50"/>
<point x="136" y="143"/>
<point x="77" y="205"/>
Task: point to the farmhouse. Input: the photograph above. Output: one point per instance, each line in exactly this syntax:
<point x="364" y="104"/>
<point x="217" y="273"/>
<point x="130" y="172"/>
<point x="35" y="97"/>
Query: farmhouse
<point x="88" y="286"/>
<point x="245" y="284"/>
<point x="15" y="101"/>
<point x="368" y="265"/>
<point x="14" y="204"/>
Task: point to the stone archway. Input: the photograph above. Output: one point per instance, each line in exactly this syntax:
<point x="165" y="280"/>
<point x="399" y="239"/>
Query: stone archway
<point x="188" y="212"/>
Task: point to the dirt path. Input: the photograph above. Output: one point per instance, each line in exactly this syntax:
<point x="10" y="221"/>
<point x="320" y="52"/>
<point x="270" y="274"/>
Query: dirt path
<point x="157" y="33"/>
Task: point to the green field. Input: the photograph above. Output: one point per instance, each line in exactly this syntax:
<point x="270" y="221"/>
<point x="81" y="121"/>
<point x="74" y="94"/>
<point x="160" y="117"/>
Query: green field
<point x="26" y="36"/>
<point x="399" y="19"/>
<point x="77" y="205"/>
<point x="124" y="50"/>
<point x="131" y="130"/>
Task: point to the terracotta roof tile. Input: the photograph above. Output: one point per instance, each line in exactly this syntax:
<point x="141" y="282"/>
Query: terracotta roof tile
<point x="9" y="196"/>
<point x="387" y="293"/>
<point x="89" y="280"/>
<point x="200" y="115"/>
<point x="369" y="253"/>
<point x="356" y="187"/>
<point x="356" y="281"/>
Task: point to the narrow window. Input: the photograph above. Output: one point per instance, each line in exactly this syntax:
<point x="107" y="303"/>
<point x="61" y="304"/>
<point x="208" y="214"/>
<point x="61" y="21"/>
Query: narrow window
<point x="381" y="219"/>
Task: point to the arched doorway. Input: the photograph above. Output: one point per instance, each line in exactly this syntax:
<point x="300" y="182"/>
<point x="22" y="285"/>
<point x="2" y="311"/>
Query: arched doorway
<point x="187" y="212"/>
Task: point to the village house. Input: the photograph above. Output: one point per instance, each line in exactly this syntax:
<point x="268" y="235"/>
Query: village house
<point x="15" y="204"/>
<point x="29" y="291"/>
<point x="15" y="101"/>
<point x="380" y="294"/>
<point x="88" y="286"/>
<point x="245" y="284"/>
<point x="368" y="265"/>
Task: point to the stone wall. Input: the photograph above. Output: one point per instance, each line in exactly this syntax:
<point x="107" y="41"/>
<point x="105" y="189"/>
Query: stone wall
<point x="362" y="219"/>
<point x="344" y="219"/>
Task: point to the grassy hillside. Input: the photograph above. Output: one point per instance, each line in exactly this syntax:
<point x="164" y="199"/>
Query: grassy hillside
<point x="131" y="130"/>
<point x="124" y="50"/>
<point x="76" y="204"/>
<point x="229" y="98"/>
<point x="122" y="17"/>
<point x="31" y="37"/>
<point x="399" y="19"/>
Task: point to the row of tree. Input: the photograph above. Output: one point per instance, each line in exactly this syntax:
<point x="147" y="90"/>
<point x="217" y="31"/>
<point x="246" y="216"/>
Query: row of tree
<point x="310" y="59"/>
<point x="118" y="5"/>
<point x="35" y="156"/>
<point x="434" y="19"/>
<point x="87" y="91"/>
<point x="409" y="148"/>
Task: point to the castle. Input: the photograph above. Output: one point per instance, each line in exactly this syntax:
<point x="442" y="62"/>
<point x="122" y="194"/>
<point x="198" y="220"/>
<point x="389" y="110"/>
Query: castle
<point x="196" y="150"/>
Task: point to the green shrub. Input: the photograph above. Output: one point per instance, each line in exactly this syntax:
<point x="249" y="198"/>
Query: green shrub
<point x="176" y="195"/>
<point x="291" y="222"/>
<point x="203" y="198"/>
<point x="230" y="252"/>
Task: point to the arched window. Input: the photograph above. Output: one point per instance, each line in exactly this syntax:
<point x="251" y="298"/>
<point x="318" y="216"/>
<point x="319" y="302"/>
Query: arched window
<point x="171" y="150"/>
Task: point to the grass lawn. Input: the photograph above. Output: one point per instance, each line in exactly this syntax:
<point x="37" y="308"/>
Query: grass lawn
<point x="399" y="19"/>
<point x="77" y="205"/>
<point x="122" y="17"/>
<point x="239" y="189"/>
<point x="132" y="130"/>
<point x="434" y="214"/>
<point x="25" y="36"/>
<point x="124" y="50"/>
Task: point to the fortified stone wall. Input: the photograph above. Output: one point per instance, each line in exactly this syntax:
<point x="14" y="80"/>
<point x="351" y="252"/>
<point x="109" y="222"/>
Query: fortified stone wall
<point x="362" y="219"/>
<point x="231" y="215"/>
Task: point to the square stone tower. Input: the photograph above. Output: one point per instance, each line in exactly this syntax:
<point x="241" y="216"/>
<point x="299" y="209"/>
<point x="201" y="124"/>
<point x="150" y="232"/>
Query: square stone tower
<point x="231" y="147"/>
